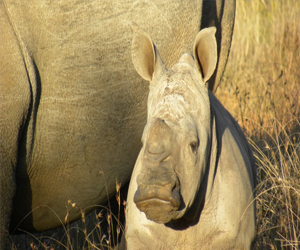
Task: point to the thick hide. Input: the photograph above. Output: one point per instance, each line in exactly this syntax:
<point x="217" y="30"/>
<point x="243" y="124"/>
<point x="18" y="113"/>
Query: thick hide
<point x="193" y="183"/>
<point x="72" y="108"/>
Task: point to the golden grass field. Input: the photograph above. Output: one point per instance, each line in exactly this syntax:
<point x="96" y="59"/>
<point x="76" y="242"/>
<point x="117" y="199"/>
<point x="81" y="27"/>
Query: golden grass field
<point x="261" y="89"/>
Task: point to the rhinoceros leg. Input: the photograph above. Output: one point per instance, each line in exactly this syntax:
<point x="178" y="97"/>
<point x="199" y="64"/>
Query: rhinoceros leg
<point x="14" y="106"/>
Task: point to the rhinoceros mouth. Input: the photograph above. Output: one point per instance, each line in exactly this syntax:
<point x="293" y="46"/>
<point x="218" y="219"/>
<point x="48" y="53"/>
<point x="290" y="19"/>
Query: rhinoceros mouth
<point x="157" y="204"/>
<point x="157" y="210"/>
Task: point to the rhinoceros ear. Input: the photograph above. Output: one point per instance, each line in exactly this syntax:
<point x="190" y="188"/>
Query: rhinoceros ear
<point x="145" y="56"/>
<point x="205" y="52"/>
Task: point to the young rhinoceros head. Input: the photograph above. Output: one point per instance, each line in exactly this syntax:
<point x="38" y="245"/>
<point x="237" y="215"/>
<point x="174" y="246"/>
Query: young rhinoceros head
<point x="176" y="138"/>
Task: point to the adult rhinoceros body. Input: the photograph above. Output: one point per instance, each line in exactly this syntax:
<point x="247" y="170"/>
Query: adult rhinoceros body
<point x="72" y="107"/>
<point x="193" y="182"/>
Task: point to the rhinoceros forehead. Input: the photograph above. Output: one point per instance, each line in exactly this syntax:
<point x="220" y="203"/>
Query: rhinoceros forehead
<point x="176" y="96"/>
<point x="171" y="107"/>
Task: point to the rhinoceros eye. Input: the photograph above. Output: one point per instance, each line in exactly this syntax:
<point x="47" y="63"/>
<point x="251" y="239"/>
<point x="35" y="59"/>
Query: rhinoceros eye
<point x="194" y="146"/>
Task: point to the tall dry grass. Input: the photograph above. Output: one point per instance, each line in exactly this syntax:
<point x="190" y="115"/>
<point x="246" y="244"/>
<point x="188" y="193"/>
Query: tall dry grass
<point x="262" y="77"/>
<point x="102" y="229"/>
<point x="261" y="89"/>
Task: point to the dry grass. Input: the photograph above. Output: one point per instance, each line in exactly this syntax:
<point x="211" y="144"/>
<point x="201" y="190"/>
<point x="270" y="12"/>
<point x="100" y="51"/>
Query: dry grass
<point x="262" y="77"/>
<point x="278" y="194"/>
<point x="261" y="89"/>
<point x="99" y="230"/>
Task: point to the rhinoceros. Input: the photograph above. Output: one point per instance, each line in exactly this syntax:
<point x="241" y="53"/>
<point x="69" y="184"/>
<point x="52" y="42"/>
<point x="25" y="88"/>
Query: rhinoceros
<point x="72" y="108"/>
<point x="193" y="183"/>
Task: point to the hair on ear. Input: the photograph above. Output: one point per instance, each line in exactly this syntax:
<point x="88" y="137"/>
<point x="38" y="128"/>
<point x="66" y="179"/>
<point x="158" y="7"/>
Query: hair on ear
<point x="205" y="52"/>
<point x="145" y="56"/>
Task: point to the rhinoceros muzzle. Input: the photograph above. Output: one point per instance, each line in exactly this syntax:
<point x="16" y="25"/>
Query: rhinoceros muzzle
<point x="157" y="203"/>
<point x="158" y="193"/>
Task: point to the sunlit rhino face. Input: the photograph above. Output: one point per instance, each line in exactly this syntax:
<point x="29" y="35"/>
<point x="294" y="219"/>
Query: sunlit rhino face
<point x="176" y="143"/>
<point x="193" y="182"/>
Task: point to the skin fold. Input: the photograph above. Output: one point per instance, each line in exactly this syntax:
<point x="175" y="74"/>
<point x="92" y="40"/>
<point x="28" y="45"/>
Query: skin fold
<point x="72" y="106"/>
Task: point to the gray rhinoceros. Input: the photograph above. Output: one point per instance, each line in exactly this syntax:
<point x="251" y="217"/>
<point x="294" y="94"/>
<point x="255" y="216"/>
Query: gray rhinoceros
<point x="72" y="108"/>
<point x="192" y="185"/>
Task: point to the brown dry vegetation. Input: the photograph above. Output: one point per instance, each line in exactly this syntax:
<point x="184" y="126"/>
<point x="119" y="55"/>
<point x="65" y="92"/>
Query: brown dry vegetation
<point x="100" y="229"/>
<point x="261" y="89"/>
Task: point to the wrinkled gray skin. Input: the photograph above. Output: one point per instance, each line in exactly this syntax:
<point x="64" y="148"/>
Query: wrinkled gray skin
<point x="72" y="108"/>
<point x="192" y="185"/>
